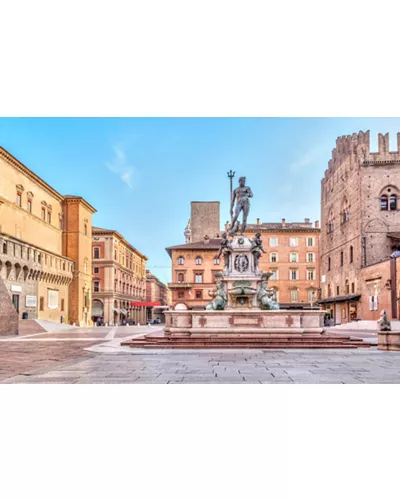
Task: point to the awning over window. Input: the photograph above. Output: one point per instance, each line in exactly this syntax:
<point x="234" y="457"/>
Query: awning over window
<point x="344" y="298"/>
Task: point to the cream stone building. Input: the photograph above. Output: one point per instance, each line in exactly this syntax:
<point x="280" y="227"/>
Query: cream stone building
<point x="119" y="279"/>
<point x="39" y="271"/>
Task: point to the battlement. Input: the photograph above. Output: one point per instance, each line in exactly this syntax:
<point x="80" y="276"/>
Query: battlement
<point x="355" y="149"/>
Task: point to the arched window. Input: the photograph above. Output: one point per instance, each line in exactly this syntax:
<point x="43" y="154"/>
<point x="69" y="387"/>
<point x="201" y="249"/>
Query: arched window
<point x="345" y="213"/>
<point x="198" y="260"/>
<point x="5" y="248"/>
<point x="330" y="226"/>
<point x="393" y="202"/>
<point x="181" y="260"/>
<point x="341" y="258"/>
<point x="180" y="277"/>
<point x="384" y="202"/>
<point x="351" y="254"/>
<point x="347" y="287"/>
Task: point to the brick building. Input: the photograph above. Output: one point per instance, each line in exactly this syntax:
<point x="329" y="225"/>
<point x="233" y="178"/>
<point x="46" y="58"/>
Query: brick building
<point x="157" y="297"/>
<point x="39" y="270"/>
<point x="119" y="279"/>
<point x="292" y="254"/>
<point x="360" y="227"/>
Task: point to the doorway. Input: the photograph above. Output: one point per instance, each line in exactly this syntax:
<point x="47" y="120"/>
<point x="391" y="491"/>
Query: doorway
<point x="15" y="301"/>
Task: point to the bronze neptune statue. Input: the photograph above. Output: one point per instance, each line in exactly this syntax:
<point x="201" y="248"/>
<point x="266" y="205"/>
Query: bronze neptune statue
<point x="241" y="195"/>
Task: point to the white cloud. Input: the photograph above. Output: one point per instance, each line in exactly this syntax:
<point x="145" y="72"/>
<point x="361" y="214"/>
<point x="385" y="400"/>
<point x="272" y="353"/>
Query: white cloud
<point x="286" y="189"/>
<point x="307" y="159"/>
<point x="120" y="166"/>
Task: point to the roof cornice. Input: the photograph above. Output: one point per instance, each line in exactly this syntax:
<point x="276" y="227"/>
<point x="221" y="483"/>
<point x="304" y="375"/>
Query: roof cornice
<point x="11" y="160"/>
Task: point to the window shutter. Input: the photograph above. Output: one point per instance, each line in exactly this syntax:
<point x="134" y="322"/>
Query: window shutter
<point x="376" y="303"/>
<point x="371" y="303"/>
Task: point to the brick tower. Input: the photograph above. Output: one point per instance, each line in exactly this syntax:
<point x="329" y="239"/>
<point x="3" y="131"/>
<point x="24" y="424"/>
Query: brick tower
<point x="360" y="216"/>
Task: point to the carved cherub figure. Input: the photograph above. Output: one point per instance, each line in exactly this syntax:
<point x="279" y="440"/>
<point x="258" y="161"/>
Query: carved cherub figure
<point x="225" y="249"/>
<point x="257" y="248"/>
<point x="220" y="298"/>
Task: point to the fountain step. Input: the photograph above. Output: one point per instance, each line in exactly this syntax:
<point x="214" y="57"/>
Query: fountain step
<point x="281" y="342"/>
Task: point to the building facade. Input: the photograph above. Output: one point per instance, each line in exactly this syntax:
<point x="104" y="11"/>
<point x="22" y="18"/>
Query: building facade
<point x="77" y="245"/>
<point x="157" y="298"/>
<point x="292" y="255"/>
<point x="119" y="279"/>
<point x="360" y="225"/>
<point x="36" y="268"/>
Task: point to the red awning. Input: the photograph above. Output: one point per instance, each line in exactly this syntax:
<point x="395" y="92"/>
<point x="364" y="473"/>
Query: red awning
<point x="145" y="304"/>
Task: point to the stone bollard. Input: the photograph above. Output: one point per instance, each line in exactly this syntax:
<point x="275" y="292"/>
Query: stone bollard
<point x="389" y="341"/>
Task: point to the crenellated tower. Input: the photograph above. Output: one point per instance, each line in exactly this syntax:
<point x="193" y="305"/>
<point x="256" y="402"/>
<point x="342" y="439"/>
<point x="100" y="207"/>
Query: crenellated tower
<point x="360" y="214"/>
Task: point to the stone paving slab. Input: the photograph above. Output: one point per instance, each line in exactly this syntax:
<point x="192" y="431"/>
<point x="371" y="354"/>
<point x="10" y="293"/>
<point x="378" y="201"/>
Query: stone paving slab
<point x="104" y="361"/>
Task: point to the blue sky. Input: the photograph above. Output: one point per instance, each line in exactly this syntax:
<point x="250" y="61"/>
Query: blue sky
<point x="141" y="174"/>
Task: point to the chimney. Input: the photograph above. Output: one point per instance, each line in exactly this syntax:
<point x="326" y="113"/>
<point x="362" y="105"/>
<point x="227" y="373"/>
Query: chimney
<point x="206" y="239"/>
<point x="258" y="222"/>
<point x="307" y="221"/>
<point x="283" y="222"/>
<point x="317" y="224"/>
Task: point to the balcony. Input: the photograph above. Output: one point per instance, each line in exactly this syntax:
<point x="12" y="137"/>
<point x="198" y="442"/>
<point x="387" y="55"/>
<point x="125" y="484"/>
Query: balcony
<point x="183" y="285"/>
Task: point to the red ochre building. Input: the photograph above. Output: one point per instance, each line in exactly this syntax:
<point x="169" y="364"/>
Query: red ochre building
<point x="292" y="255"/>
<point x="119" y="279"/>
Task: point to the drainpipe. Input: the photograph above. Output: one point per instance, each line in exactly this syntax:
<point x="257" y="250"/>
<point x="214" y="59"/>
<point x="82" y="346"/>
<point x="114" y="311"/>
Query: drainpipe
<point x="393" y="281"/>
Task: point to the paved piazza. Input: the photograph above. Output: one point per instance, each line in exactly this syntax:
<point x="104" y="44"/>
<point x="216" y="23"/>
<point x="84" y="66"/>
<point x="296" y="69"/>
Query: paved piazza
<point x="95" y="356"/>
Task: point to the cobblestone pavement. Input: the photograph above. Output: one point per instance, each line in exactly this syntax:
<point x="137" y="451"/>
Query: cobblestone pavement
<point x="95" y="356"/>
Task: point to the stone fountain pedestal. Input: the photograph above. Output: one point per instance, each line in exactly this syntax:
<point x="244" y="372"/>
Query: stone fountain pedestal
<point x="239" y="319"/>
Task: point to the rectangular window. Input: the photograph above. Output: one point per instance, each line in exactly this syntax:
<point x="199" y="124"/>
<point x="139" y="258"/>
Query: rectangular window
<point x="311" y="295"/>
<point x="293" y="257"/>
<point x="41" y="304"/>
<point x="293" y="295"/>
<point x="293" y="242"/>
<point x="310" y="242"/>
<point x="293" y="274"/>
<point x="180" y="295"/>
<point x="95" y="270"/>
<point x="96" y="253"/>
<point x="310" y="257"/>
<point x="373" y="303"/>
<point x="85" y="229"/>
<point x="96" y="286"/>
<point x="310" y="274"/>
<point x="273" y="242"/>
<point x="19" y="199"/>
<point x="199" y="278"/>
<point x="352" y="288"/>
<point x="29" y="206"/>
<point x="273" y="257"/>
<point x="337" y="290"/>
<point x="199" y="294"/>
<point x="62" y="305"/>
<point x="274" y="276"/>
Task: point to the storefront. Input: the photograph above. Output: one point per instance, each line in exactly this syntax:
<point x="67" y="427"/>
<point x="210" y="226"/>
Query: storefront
<point x="341" y="309"/>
